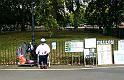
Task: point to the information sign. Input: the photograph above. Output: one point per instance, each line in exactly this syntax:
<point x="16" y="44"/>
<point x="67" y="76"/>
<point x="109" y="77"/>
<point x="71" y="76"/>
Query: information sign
<point x="90" y="43"/>
<point x="104" y="54"/>
<point x="74" y="46"/>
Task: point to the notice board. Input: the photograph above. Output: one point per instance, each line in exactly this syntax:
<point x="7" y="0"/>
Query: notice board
<point x="104" y="53"/>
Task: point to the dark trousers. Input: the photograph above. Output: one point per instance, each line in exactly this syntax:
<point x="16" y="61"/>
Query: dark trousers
<point x="43" y="59"/>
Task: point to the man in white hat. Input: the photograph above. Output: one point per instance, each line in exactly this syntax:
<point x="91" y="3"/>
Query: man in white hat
<point x="43" y="50"/>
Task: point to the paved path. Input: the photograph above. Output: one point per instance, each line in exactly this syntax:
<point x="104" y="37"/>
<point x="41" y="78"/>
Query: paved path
<point x="96" y="73"/>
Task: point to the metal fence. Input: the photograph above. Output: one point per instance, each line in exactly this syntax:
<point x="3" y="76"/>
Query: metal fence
<point x="8" y="55"/>
<point x="57" y="55"/>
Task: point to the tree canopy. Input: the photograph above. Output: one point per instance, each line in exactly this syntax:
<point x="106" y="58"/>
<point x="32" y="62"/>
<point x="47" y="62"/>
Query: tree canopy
<point x="15" y="12"/>
<point x="55" y="14"/>
<point x="105" y="12"/>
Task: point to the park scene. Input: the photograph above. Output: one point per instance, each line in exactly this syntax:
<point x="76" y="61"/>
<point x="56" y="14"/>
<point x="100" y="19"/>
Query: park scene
<point x="79" y="32"/>
<point x="61" y="39"/>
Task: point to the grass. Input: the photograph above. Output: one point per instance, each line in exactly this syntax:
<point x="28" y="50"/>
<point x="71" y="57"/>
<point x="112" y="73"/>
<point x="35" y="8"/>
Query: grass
<point x="17" y="38"/>
<point x="14" y="38"/>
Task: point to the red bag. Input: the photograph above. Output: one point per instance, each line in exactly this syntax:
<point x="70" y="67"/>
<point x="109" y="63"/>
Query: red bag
<point x="22" y="59"/>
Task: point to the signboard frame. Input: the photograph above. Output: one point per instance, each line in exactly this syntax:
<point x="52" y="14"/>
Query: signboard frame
<point x="119" y="57"/>
<point x="74" y="46"/>
<point x="90" y="43"/>
<point x="104" y="54"/>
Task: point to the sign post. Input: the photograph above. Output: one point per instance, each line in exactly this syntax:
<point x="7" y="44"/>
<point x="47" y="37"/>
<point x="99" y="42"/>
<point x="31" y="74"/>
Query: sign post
<point x="90" y="46"/>
<point x="74" y="46"/>
<point x="33" y="26"/>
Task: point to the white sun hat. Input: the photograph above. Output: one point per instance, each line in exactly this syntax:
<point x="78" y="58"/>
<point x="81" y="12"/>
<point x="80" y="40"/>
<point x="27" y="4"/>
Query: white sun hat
<point x="43" y="40"/>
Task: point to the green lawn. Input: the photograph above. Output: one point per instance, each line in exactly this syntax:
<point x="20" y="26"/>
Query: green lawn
<point x="16" y="38"/>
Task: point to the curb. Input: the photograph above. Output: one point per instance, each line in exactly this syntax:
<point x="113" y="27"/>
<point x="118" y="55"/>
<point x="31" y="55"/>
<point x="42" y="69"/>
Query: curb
<point x="88" y="68"/>
<point x="59" y="68"/>
<point x="44" y="69"/>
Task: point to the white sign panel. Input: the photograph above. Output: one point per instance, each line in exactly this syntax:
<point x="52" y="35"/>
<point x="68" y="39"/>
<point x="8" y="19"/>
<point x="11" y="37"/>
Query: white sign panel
<point x="105" y="42"/>
<point x="86" y="52"/>
<point x="119" y="57"/>
<point x="53" y="45"/>
<point x="74" y="46"/>
<point x="104" y="54"/>
<point x="121" y="45"/>
<point x="90" y="43"/>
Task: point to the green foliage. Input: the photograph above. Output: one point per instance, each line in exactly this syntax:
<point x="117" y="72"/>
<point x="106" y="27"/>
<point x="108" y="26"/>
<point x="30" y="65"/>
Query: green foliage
<point x="58" y="13"/>
<point x="75" y="12"/>
<point x="71" y="19"/>
<point x="50" y="13"/>
<point x="50" y="9"/>
<point x="105" y="12"/>
<point x="15" y="12"/>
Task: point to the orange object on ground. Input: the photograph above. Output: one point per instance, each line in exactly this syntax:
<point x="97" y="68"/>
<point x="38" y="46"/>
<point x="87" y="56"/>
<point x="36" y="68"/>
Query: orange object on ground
<point x="22" y="59"/>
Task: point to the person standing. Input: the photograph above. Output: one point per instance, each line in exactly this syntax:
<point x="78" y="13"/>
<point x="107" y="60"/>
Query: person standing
<point x="43" y="51"/>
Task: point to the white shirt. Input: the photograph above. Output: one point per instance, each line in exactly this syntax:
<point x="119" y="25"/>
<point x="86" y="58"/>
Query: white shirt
<point x="43" y="49"/>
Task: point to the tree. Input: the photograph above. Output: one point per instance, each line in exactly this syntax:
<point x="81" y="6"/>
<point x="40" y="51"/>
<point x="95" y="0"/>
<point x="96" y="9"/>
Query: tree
<point x="23" y="13"/>
<point x="104" y="13"/>
<point x="75" y="11"/>
<point x="15" y="12"/>
<point x="50" y="13"/>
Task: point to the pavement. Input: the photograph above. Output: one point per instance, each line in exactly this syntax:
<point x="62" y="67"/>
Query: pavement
<point x="35" y="67"/>
<point x="58" y="67"/>
<point x="62" y="72"/>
